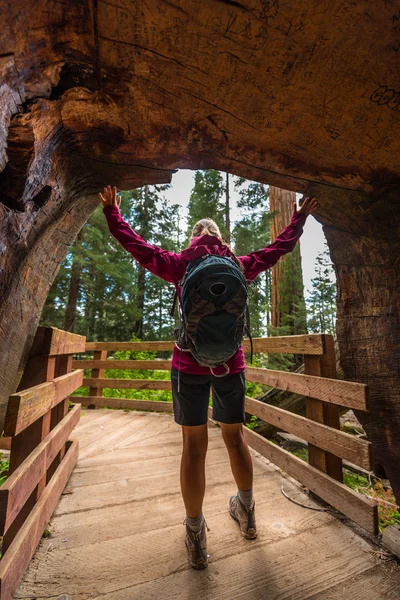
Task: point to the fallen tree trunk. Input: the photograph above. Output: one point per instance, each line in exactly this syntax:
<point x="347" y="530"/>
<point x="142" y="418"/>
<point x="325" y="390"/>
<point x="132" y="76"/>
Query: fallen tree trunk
<point x="93" y="93"/>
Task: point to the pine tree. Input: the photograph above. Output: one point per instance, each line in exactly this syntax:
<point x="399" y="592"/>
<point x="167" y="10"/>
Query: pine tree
<point x="158" y="323"/>
<point x="322" y="301"/>
<point x="206" y="200"/>
<point x="251" y="233"/>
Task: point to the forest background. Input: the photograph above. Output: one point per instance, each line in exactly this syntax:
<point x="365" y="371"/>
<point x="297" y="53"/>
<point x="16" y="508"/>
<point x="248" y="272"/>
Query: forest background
<point x="103" y="293"/>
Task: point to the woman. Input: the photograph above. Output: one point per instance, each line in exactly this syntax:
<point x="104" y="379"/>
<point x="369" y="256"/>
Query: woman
<point x="191" y="382"/>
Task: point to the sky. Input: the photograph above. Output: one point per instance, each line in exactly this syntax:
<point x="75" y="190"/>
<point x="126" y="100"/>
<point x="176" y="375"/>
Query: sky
<point x="311" y="242"/>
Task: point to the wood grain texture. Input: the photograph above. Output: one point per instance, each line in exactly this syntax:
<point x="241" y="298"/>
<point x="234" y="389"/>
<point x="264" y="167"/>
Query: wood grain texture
<point x="26" y="407"/>
<point x="18" y="487"/>
<point x="132" y="523"/>
<point x="57" y="341"/>
<point x="391" y="539"/>
<point x="331" y="413"/>
<point x="357" y="507"/>
<point x="100" y="355"/>
<point x="294" y="344"/>
<point x="343" y="393"/>
<point x="337" y="442"/>
<point x="105" y="401"/>
<point x="315" y="411"/>
<point x="128" y="384"/>
<point x="16" y="559"/>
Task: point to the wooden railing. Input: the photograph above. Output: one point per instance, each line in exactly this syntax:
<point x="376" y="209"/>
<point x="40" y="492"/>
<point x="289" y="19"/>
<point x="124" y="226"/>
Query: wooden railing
<point x="41" y="457"/>
<point x="327" y="444"/>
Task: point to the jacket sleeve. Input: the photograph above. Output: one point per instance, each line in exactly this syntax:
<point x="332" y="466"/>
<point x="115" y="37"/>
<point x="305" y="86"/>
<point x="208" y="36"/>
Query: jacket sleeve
<point x="167" y="265"/>
<point x="261" y="260"/>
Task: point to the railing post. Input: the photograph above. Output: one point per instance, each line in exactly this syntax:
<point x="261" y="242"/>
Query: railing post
<point x="322" y="412"/>
<point x="63" y="366"/>
<point x="98" y="373"/>
<point x="38" y="370"/>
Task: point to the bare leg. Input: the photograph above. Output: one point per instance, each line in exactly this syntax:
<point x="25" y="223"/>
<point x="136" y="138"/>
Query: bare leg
<point x="239" y="455"/>
<point x="193" y="477"/>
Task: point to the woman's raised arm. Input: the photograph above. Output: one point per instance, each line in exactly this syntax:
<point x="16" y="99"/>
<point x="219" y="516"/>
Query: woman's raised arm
<point x="167" y="265"/>
<point x="262" y="260"/>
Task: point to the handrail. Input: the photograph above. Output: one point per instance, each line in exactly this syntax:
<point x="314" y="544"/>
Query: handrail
<point x="311" y="343"/>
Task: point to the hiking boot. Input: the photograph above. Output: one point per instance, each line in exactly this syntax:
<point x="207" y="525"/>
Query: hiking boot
<point x="245" y="517"/>
<point x="196" y="544"/>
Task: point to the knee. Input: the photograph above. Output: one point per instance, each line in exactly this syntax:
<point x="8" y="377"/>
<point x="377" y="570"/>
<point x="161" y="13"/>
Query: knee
<point x="234" y="440"/>
<point x="194" y="449"/>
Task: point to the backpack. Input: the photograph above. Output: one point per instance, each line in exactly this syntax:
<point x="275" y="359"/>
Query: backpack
<point x="214" y="310"/>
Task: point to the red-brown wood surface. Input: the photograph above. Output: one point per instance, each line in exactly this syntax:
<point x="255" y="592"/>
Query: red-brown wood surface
<point x="28" y="406"/>
<point x="97" y="373"/>
<point x="18" y="554"/>
<point x="18" y="487"/>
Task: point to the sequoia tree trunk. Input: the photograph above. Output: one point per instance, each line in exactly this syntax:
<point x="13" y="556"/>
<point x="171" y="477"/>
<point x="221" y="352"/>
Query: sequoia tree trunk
<point x="95" y="93"/>
<point x="368" y="323"/>
<point x="287" y="290"/>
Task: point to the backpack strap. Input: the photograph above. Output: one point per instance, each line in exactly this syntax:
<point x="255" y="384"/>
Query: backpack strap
<point x="223" y="374"/>
<point x="174" y="301"/>
<point x="249" y="333"/>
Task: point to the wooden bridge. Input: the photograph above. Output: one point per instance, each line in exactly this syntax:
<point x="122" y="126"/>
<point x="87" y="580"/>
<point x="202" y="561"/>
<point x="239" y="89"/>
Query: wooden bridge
<point x="117" y="530"/>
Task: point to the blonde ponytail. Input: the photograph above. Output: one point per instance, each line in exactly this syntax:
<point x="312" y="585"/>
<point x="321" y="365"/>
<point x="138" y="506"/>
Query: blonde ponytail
<point x="209" y="227"/>
<point x="206" y="227"/>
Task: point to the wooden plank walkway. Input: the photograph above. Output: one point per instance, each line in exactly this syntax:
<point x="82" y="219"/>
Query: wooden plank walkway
<point x="117" y="533"/>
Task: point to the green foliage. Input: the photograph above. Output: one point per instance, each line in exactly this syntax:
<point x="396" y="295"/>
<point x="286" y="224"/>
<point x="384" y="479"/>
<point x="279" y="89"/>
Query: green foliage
<point x="322" y="301"/>
<point x="252" y="423"/>
<point x="251" y="233"/>
<point x="206" y="200"/>
<point x="300" y="453"/>
<point x="4" y="467"/>
<point x="392" y="518"/>
<point x="354" y="480"/>
<point x="113" y="301"/>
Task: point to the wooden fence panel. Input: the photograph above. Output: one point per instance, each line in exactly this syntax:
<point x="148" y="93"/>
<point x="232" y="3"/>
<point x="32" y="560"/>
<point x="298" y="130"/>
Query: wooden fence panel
<point x="360" y="509"/>
<point x="123" y="403"/>
<point x="18" y="487"/>
<point x="135" y="365"/>
<point x="18" y="554"/>
<point x="343" y="393"/>
<point x="322" y="436"/>
<point x="129" y="384"/>
<point x="27" y="406"/>
<point x="291" y="344"/>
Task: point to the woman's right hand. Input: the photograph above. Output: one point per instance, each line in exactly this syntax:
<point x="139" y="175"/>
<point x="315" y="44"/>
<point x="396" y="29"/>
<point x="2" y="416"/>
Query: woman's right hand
<point x="109" y="196"/>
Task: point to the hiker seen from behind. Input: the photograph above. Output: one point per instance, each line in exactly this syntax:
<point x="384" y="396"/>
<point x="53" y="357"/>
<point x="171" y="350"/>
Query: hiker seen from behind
<point x="212" y="292"/>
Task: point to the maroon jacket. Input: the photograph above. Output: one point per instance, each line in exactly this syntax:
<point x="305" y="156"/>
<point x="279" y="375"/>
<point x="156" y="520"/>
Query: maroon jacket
<point x="171" y="266"/>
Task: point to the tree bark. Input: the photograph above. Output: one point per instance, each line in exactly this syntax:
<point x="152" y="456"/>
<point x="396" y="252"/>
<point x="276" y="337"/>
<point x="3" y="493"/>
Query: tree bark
<point x="93" y="93"/>
<point x="287" y="291"/>
<point x="368" y="323"/>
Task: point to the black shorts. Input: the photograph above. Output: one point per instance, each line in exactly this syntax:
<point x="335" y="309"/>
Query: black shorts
<point x="191" y="401"/>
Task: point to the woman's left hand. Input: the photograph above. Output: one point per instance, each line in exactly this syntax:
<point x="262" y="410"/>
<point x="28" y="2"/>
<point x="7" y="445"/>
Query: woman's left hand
<point x="308" y="206"/>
